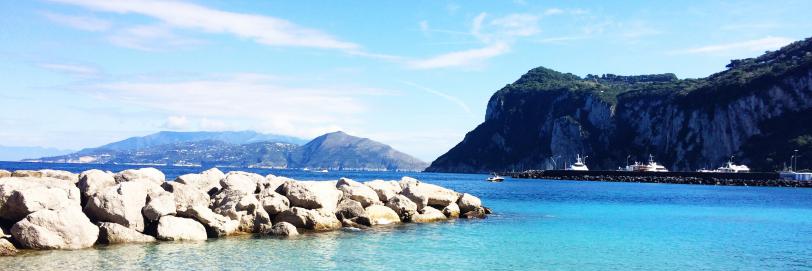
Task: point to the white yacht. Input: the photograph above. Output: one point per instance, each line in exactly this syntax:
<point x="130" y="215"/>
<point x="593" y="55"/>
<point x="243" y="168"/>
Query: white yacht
<point x="578" y="165"/>
<point x="494" y="178"/>
<point x="651" y="166"/>
<point x="733" y="168"/>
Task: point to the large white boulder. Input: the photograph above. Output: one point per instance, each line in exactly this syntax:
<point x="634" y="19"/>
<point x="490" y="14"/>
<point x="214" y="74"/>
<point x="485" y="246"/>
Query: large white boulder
<point x="66" y="228"/>
<point x="283" y="229"/>
<point x="385" y="189"/>
<point x="272" y="183"/>
<point x="149" y="174"/>
<point x="112" y="233"/>
<point x="171" y="228"/>
<point x="468" y="202"/>
<point x="94" y="180"/>
<point x="20" y="196"/>
<point x="158" y="205"/>
<point x="187" y="196"/>
<point x="403" y="206"/>
<point x="358" y="192"/>
<point x="319" y="220"/>
<point x="207" y="181"/>
<point x="242" y="181"/>
<point x="120" y="204"/>
<point x="349" y="209"/>
<point x="428" y="214"/>
<point x="424" y="194"/>
<point x="5" y="173"/>
<point x="312" y="195"/>
<point x="273" y="202"/>
<point x="381" y="215"/>
<point x="60" y="174"/>
<point x="452" y="211"/>
<point x="215" y="224"/>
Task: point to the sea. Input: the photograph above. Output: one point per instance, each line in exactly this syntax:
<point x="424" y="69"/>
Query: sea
<point x="536" y="225"/>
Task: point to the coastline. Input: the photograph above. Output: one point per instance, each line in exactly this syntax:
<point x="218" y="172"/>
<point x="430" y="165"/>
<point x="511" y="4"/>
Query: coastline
<point x="770" y="179"/>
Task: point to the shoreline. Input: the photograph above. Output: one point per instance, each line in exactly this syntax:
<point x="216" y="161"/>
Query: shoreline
<point x="766" y="179"/>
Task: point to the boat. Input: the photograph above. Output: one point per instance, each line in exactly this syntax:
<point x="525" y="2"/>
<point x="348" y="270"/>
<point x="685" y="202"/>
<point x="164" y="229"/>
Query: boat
<point x="578" y="165"/>
<point x="733" y="168"/>
<point x="322" y="171"/>
<point x="494" y="178"/>
<point x="651" y="166"/>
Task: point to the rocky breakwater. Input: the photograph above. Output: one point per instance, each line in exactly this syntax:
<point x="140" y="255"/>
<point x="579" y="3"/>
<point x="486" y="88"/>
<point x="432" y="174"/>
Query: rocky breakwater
<point x="49" y="209"/>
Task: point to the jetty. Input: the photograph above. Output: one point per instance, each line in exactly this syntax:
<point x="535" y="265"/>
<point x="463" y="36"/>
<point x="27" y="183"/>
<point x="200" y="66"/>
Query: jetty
<point x="702" y="178"/>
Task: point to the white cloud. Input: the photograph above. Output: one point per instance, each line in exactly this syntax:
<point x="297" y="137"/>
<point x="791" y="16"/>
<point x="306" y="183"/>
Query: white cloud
<point x="424" y="26"/>
<point x="461" y="58"/>
<point x="79" y="22"/>
<point x="756" y="45"/>
<point x="497" y="36"/>
<point x="80" y="70"/>
<point x="553" y="11"/>
<point x="239" y="101"/>
<point x="261" y="29"/>
<point x="177" y="123"/>
<point x="150" y="38"/>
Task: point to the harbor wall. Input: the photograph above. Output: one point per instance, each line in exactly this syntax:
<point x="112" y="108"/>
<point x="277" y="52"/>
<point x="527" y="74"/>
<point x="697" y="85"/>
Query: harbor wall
<point x="703" y="178"/>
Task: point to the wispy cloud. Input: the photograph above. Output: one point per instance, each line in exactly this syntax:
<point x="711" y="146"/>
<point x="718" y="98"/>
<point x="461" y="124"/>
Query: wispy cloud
<point x="449" y="98"/>
<point x="553" y="11"/>
<point x="261" y="29"/>
<point x="497" y="35"/>
<point x="755" y="45"/>
<point x="239" y="101"/>
<point x="150" y="38"/>
<point x="73" y="69"/>
<point x="79" y="22"/>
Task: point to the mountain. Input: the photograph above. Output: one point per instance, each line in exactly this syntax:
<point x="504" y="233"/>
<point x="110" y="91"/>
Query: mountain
<point x="334" y="151"/>
<point x="9" y="153"/>
<point x="758" y="110"/>
<point x="340" y="150"/>
<point x="167" y="137"/>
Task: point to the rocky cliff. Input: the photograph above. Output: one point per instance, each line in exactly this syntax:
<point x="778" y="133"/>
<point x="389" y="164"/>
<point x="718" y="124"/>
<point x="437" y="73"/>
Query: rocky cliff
<point x="757" y="110"/>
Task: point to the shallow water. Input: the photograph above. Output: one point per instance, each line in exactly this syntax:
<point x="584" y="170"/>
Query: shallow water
<point x="547" y="225"/>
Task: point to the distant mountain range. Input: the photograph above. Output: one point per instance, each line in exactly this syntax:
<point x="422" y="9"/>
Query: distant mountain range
<point x="336" y="151"/>
<point x="8" y="153"/>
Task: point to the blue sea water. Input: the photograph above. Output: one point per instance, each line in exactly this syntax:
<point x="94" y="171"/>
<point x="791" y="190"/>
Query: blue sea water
<point x="537" y="225"/>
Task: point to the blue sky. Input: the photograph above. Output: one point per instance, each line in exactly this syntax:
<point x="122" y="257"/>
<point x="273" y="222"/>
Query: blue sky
<point x="416" y="75"/>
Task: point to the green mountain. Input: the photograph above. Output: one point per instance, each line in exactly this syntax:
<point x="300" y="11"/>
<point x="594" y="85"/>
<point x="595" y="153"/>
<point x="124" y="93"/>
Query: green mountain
<point x="340" y="150"/>
<point x="757" y="110"/>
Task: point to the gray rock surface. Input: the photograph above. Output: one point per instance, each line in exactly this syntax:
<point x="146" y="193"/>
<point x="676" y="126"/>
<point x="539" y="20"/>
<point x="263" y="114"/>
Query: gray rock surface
<point x="171" y="228"/>
<point x="112" y="233"/>
<point x="66" y="228"/>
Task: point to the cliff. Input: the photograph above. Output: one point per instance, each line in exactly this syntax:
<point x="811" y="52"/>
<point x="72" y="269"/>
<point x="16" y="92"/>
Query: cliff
<point x="758" y="110"/>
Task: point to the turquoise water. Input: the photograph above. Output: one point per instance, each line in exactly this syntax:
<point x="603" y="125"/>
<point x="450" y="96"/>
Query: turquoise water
<point x="540" y="225"/>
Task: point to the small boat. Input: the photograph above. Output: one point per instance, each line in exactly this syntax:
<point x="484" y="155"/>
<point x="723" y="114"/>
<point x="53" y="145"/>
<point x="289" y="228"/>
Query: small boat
<point x="651" y="166"/>
<point x="578" y="165"/>
<point x="322" y="171"/>
<point x="495" y="178"/>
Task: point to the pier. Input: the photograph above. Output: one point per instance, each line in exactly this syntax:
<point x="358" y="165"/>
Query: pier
<point x="701" y="178"/>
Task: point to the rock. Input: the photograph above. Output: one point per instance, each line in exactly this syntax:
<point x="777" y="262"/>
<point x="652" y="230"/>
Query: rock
<point x="4" y="173"/>
<point x="273" y="203"/>
<point x="262" y="221"/>
<point x="216" y="225"/>
<point x="319" y="220"/>
<point x="207" y="181"/>
<point x="20" y="196"/>
<point x="66" y="228"/>
<point x="187" y="196"/>
<point x="312" y="195"/>
<point x="407" y="181"/>
<point x="120" y="204"/>
<point x="283" y="229"/>
<point x="424" y="194"/>
<point x="349" y="209"/>
<point x="235" y="203"/>
<point x="112" y="233"/>
<point x="247" y="222"/>
<point x="26" y="173"/>
<point x="478" y="212"/>
<point x="381" y="215"/>
<point x="358" y="191"/>
<point x="171" y="228"/>
<point x="73" y="178"/>
<point x="427" y="215"/>
<point x="272" y="183"/>
<point x="468" y="203"/>
<point x="7" y="248"/>
<point x="452" y="211"/>
<point x="92" y="181"/>
<point x="241" y="181"/>
<point x="159" y="205"/>
<point x="403" y="206"/>
<point x="386" y="190"/>
<point x="149" y="174"/>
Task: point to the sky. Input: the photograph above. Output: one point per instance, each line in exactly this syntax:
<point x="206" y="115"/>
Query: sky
<point x="416" y="75"/>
